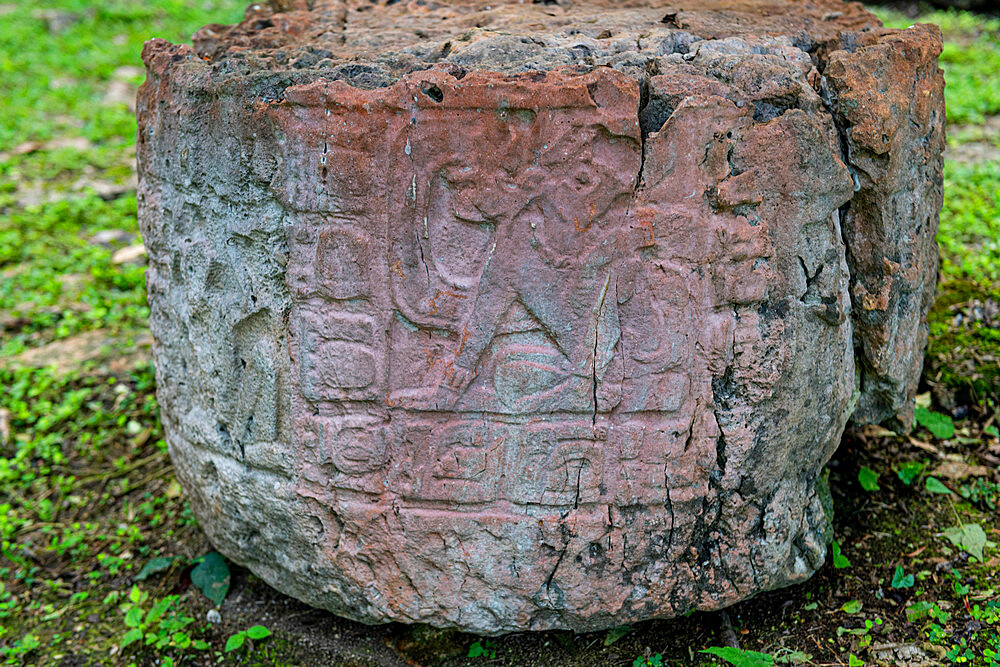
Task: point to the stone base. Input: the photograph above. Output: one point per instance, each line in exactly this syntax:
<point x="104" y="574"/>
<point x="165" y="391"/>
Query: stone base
<point x="545" y="323"/>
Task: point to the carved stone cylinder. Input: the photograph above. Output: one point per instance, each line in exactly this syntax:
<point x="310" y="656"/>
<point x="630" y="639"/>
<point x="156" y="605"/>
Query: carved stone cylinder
<point x="507" y="316"/>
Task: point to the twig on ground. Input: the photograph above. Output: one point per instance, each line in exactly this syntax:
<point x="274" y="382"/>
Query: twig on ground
<point x="146" y="480"/>
<point x="122" y="471"/>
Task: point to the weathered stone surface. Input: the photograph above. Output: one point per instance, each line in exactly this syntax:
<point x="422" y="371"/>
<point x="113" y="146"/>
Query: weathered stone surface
<point x="885" y="90"/>
<point x="533" y="316"/>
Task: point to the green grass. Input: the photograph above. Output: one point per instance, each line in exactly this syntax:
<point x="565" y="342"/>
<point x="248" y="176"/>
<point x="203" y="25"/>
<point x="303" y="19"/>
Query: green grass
<point x="969" y="233"/>
<point x="54" y="283"/>
<point x="963" y="355"/>
<point x="53" y="84"/>
<point x="65" y="284"/>
<point x="85" y="502"/>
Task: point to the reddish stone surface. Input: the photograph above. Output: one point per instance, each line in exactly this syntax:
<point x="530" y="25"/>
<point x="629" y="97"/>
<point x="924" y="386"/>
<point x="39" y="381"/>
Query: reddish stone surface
<point x="894" y="137"/>
<point x="533" y="316"/>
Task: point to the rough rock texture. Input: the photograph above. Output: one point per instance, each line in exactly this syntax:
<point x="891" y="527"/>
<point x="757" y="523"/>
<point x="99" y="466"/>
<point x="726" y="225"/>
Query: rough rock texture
<point x="531" y="316"/>
<point x="885" y="91"/>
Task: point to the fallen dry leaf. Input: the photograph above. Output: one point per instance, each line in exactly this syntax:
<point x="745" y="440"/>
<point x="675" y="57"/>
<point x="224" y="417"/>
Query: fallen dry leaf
<point x="76" y="143"/>
<point x="926" y="446"/>
<point x="4" y="426"/>
<point x="134" y="254"/>
<point x="876" y="431"/>
<point x="959" y="470"/>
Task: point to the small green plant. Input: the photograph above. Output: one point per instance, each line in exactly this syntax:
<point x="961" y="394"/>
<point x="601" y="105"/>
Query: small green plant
<point x="784" y="656"/>
<point x="934" y="485"/>
<point x="969" y="537"/>
<point x="960" y="653"/>
<point x="839" y="559"/>
<point x="900" y="579"/>
<point x="256" y="633"/>
<point x="648" y="661"/>
<point x="161" y="626"/>
<point x="614" y="634"/>
<point x="864" y="634"/>
<point x="981" y="491"/>
<point x="909" y="471"/>
<point x="482" y="649"/>
<point x="211" y="576"/>
<point x="16" y="652"/>
<point x="868" y="479"/>
<point x="851" y="607"/>
<point x="7" y="602"/>
<point x="961" y="589"/>
<point x="740" y="657"/>
<point x="155" y="566"/>
<point x="989" y="613"/>
<point x="926" y="609"/>
<point x="940" y="426"/>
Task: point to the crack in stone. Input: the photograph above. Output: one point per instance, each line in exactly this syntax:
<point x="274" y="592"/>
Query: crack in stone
<point x="423" y="261"/>
<point x="643" y="131"/>
<point x="611" y="528"/>
<point x="597" y="329"/>
<point x="670" y="510"/>
<point x="845" y="155"/>
<point x="805" y="272"/>
<point x="579" y="476"/>
<point x="549" y="584"/>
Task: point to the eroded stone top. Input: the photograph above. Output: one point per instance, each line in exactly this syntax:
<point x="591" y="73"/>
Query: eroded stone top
<point x="371" y="43"/>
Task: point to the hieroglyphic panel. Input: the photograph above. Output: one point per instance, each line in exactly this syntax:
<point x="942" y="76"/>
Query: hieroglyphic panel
<point x="502" y="328"/>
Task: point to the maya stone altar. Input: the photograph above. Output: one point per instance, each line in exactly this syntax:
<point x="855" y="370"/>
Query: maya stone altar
<point x="501" y="316"/>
